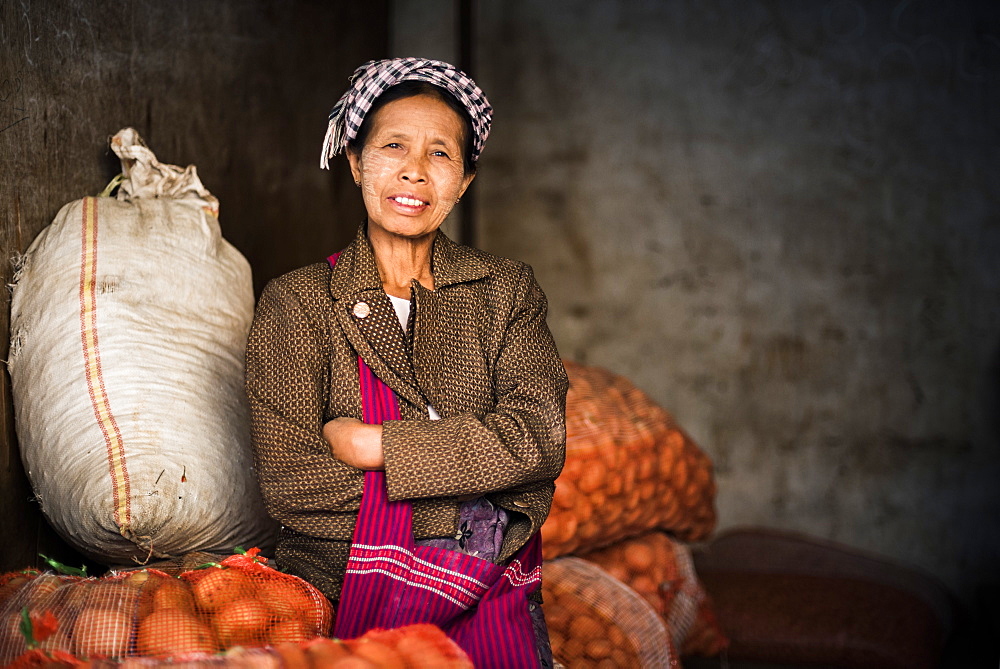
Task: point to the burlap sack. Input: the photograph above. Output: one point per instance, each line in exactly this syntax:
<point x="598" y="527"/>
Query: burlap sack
<point x="129" y="319"/>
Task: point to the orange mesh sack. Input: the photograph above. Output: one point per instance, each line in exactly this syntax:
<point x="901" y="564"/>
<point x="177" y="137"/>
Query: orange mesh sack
<point x="36" y="593"/>
<point x="661" y="570"/>
<point x="411" y="646"/>
<point x="414" y="646"/>
<point x="73" y="616"/>
<point x="147" y="613"/>
<point x="629" y="468"/>
<point x="595" y="620"/>
<point x="247" y="603"/>
<point x="12" y="582"/>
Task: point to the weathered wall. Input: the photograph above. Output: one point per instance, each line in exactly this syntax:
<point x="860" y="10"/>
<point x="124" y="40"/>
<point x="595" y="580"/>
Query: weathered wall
<point x="780" y="219"/>
<point x="241" y="89"/>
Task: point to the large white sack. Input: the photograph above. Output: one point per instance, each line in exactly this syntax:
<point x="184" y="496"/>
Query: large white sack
<point x="129" y="320"/>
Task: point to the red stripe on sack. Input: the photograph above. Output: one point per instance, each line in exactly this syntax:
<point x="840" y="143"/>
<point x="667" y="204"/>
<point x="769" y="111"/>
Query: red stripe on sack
<point x="114" y="445"/>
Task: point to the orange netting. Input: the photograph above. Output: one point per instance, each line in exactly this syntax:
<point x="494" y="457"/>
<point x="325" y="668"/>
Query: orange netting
<point x="661" y="570"/>
<point x="247" y="603"/>
<point x="594" y="620"/>
<point x="237" y="613"/>
<point x="629" y="468"/>
<point x="238" y="602"/>
<point x="416" y="646"/>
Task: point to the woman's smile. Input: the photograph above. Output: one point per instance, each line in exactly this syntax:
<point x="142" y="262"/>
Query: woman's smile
<point x="408" y="204"/>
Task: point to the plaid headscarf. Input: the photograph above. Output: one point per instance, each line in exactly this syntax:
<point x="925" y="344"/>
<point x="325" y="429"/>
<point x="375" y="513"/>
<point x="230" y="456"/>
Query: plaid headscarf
<point x="372" y="80"/>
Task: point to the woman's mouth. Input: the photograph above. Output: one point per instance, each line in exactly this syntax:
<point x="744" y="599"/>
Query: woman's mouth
<point x="408" y="202"/>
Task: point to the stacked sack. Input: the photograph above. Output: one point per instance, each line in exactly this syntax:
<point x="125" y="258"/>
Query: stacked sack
<point x="629" y="468"/>
<point x="634" y="489"/>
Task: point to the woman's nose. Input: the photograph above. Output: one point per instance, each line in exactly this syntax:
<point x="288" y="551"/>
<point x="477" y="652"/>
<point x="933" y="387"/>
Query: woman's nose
<point x="415" y="170"/>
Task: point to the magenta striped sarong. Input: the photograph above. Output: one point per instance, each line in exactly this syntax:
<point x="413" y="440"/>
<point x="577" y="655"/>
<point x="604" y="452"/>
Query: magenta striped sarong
<point x="391" y="582"/>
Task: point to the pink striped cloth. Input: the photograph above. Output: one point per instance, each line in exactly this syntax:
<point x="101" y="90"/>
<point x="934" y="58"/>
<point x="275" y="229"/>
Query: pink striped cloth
<point x="391" y="582"/>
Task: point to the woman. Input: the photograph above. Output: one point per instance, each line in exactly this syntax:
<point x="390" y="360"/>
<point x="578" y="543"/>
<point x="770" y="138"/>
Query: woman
<point x="457" y="335"/>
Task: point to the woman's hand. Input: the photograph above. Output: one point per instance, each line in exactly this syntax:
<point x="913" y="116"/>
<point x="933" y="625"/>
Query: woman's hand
<point x="355" y="443"/>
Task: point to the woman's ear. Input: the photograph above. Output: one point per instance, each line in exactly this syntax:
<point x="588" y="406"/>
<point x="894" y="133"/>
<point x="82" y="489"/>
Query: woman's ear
<point x="466" y="181"/>
<point x="355" y="160"/>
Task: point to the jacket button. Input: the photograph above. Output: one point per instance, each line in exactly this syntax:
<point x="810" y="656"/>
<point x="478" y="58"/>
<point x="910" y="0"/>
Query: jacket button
<point x="361" y="309"/>
<point x="521" y="505"/>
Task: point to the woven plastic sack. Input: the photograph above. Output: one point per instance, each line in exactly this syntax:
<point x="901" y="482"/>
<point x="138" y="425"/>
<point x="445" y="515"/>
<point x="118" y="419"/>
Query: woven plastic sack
<point x="661" y="570"/>
<point x="129" y="319"/>
<point x="629" y="468"/>
<point x="594" y="620"/>
<point x="240" y="602"/>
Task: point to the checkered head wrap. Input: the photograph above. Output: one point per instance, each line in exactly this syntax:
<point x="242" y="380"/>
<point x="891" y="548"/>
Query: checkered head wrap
<point x="372" y="80"/>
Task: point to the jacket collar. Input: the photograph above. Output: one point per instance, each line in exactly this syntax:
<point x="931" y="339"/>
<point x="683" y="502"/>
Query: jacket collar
<point x="374" y="331"/>
<point x="356" y="270"/>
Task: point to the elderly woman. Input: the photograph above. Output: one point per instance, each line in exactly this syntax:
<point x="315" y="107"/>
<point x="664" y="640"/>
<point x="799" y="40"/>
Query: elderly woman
<point x="409" y="373"/>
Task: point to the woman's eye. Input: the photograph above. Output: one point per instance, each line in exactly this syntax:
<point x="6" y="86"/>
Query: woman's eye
<point x="393" y="145"/>
<point x="440" y="153"/>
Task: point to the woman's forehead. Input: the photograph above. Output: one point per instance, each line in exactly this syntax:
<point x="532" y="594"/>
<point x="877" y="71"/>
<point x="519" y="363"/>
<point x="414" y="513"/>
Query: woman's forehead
<point x="419" y="114"/>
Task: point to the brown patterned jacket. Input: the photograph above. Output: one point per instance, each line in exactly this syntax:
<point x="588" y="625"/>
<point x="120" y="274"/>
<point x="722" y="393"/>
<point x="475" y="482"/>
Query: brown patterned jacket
<point x="479" y="351"/>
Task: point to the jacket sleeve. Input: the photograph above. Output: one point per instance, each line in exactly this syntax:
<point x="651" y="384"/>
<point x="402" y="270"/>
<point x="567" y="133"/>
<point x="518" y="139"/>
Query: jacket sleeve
<point x="521" y="442"/>
<point x="287" y="380"/>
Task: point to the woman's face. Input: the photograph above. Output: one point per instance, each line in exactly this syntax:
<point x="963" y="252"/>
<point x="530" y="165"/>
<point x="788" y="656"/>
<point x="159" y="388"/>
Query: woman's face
<point x="411" y="169"/>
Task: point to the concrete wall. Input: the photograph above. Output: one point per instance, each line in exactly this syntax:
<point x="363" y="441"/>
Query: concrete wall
<point x="241" y="89"/>
<point x="780" y="219"/>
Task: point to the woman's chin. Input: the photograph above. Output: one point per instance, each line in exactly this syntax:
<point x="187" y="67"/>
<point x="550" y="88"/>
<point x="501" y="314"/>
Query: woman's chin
<point x="406" y="227"/>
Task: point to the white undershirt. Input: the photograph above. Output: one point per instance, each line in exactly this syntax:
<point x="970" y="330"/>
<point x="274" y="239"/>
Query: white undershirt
<point x="402" y="307"/>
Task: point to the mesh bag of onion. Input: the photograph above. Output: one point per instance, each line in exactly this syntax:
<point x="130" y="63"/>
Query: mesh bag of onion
<point x="235" y="613"/>
<point x="240" y="602"/>
<point x="594" y="620"/>
<point x="629" y="468"/>
<point x="661" y="570"/>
